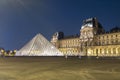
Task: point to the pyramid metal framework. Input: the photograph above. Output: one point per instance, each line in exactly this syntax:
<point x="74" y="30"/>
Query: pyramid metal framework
<point x="39" y="46"/>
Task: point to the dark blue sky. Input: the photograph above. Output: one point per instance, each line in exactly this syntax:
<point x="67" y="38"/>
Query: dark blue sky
<point x="20" y="20"/>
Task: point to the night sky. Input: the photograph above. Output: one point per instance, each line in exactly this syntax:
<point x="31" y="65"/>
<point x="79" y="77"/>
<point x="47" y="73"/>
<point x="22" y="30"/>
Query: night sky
<point x="20" y="20"/>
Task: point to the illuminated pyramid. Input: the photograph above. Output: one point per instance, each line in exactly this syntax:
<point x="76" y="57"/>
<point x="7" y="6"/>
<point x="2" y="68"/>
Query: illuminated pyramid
<point x="39" y="46"/>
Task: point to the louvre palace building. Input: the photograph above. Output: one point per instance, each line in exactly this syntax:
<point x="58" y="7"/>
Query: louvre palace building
<point x="93" y="40"/>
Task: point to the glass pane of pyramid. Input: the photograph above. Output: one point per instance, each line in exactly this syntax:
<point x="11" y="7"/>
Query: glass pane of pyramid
<point x="39" y="46"/>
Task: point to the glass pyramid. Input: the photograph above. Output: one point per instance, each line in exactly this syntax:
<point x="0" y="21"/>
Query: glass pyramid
<point x="39" y="46"/>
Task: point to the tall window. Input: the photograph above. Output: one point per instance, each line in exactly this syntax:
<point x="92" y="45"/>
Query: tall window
<point x="114" y="50"/>
<point x="102" y="43"/>
<point x="105" y="50"/>
<point x="119" y="50"/>
<point x="107" y="42"/>
<point x="116" y="41"/>
<point x="99" y="43"/>
<point x="97" y="52"/>
<point x="100" y="51"/>
<point x="111" y="41"/>
<point x="109" y="51"/>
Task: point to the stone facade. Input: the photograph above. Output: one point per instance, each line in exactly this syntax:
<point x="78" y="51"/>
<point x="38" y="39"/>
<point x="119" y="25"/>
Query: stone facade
<point x="92" y="41"/>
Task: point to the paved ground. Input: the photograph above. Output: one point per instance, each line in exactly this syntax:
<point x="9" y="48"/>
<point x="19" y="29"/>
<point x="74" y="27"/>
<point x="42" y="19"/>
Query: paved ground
<point x="58" y="68"/>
